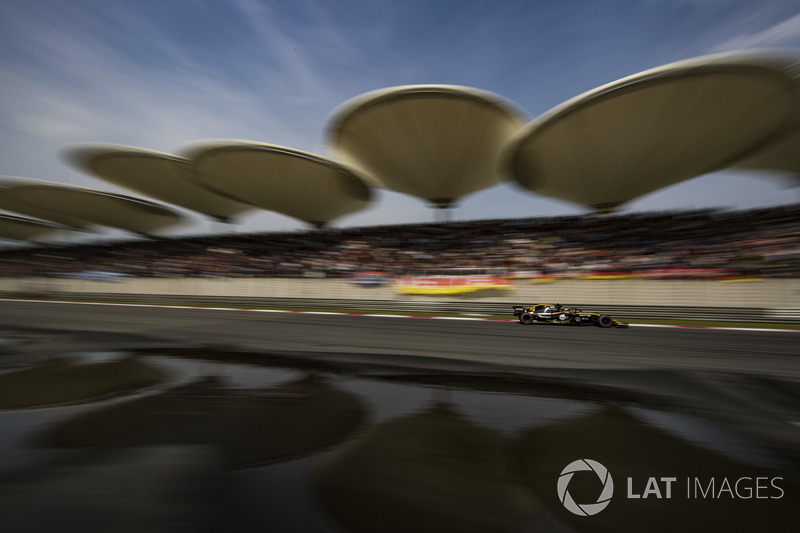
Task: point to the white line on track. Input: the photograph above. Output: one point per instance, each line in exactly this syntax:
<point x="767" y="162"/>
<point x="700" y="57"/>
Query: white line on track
<point x="772" y="330"/>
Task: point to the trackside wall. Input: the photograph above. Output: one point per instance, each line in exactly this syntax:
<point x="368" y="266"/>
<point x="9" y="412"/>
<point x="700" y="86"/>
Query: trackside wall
<point x="766" y="293"/>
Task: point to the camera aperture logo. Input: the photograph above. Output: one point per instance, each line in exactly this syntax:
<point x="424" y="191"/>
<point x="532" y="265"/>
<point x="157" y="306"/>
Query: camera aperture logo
<point x="585" y="509"/>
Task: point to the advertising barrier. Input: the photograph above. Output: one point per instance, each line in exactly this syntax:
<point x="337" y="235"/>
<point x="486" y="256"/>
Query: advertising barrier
<point x="450" y="284"/>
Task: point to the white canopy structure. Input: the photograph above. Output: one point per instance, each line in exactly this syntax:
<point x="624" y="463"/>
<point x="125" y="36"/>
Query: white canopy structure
<point x="9" y="203"/>
<point x="165" y="177"/>
<point x="435" y="142"/>
<point x="25" y="229"/>
<point x="95" y="207"/>
<point x="656" y="128"/>
<point x="298" y="184"/>
<point x="782" y="156"/>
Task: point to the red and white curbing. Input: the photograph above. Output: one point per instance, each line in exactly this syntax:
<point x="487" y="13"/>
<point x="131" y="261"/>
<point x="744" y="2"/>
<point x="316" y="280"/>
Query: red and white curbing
<point x="722" y="328"/>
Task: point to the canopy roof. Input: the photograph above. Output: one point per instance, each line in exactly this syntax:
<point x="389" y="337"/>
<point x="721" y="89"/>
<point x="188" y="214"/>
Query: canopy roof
<point x="301" y="185"/>
<point x="162" y="176"/>
<point x="24" y="229"/>
<point x="436" y="142"/>
<point x="95" y="207"/>
<point x="781" y="156"/>
<point x="9" y="203"/>
<point x="656" y="128"/>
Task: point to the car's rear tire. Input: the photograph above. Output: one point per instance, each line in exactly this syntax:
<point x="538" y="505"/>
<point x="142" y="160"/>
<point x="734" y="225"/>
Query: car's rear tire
<point x="605" y="321"/>
<point x="526" y="318"/>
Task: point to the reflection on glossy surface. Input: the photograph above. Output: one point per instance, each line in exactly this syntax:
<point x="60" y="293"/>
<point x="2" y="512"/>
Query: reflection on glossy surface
<point x="68" y="382"/>
<point x="433" y="470"/>
<point x="157" y="490"/>
<point x="249" y="426"/>
<point x="253" y="442"/>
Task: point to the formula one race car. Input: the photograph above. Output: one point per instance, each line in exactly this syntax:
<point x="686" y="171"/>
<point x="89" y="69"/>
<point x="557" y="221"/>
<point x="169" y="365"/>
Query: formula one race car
<point x="556" y="314"/>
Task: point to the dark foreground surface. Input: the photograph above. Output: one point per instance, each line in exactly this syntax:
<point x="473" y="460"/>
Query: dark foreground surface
<point x="140" y="419"/>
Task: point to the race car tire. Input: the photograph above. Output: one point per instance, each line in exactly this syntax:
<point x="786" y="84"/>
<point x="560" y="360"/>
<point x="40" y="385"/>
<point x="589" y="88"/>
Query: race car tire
<point x="605" y="321"/>
<point x="526" y="318"/>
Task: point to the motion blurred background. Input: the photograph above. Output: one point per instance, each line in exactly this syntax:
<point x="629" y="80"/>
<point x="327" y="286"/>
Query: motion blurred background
<point x="177" y="175"/>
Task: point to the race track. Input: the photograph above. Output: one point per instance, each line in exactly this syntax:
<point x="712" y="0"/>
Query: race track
<point x="84" y="326"/>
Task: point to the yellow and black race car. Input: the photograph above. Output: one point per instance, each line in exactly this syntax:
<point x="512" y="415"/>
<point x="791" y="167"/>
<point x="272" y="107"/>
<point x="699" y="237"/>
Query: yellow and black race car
<point x="557" y="314"/>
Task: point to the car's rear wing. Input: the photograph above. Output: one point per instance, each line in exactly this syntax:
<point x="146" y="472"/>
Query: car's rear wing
<point x="519" y="309"/>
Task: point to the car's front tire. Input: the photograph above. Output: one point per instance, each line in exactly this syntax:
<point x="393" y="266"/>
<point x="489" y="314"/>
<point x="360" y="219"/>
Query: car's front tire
<point x="605" y="321"/>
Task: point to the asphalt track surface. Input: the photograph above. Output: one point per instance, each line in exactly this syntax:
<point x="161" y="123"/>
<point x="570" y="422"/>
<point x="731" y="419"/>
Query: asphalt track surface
<point x="71" y="326"/>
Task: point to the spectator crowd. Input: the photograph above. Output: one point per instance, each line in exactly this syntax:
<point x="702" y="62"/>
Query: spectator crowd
<point x="705" y="243"/>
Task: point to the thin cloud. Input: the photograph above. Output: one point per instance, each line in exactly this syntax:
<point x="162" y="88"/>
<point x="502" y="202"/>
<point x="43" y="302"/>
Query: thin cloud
<point x="786" y="33"/>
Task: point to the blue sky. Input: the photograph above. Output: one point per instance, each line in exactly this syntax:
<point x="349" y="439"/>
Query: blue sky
<point x="159" y="74"/>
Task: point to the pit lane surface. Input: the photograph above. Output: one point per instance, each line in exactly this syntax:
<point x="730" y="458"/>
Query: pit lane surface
<point x="80" y="326"/>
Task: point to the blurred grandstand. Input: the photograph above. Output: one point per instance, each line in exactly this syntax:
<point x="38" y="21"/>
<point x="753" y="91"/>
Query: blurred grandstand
<point x="704" y="244"/>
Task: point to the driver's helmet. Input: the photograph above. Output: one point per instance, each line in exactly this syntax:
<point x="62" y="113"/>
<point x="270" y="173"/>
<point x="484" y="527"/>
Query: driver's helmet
<point x="557" y="307"/>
